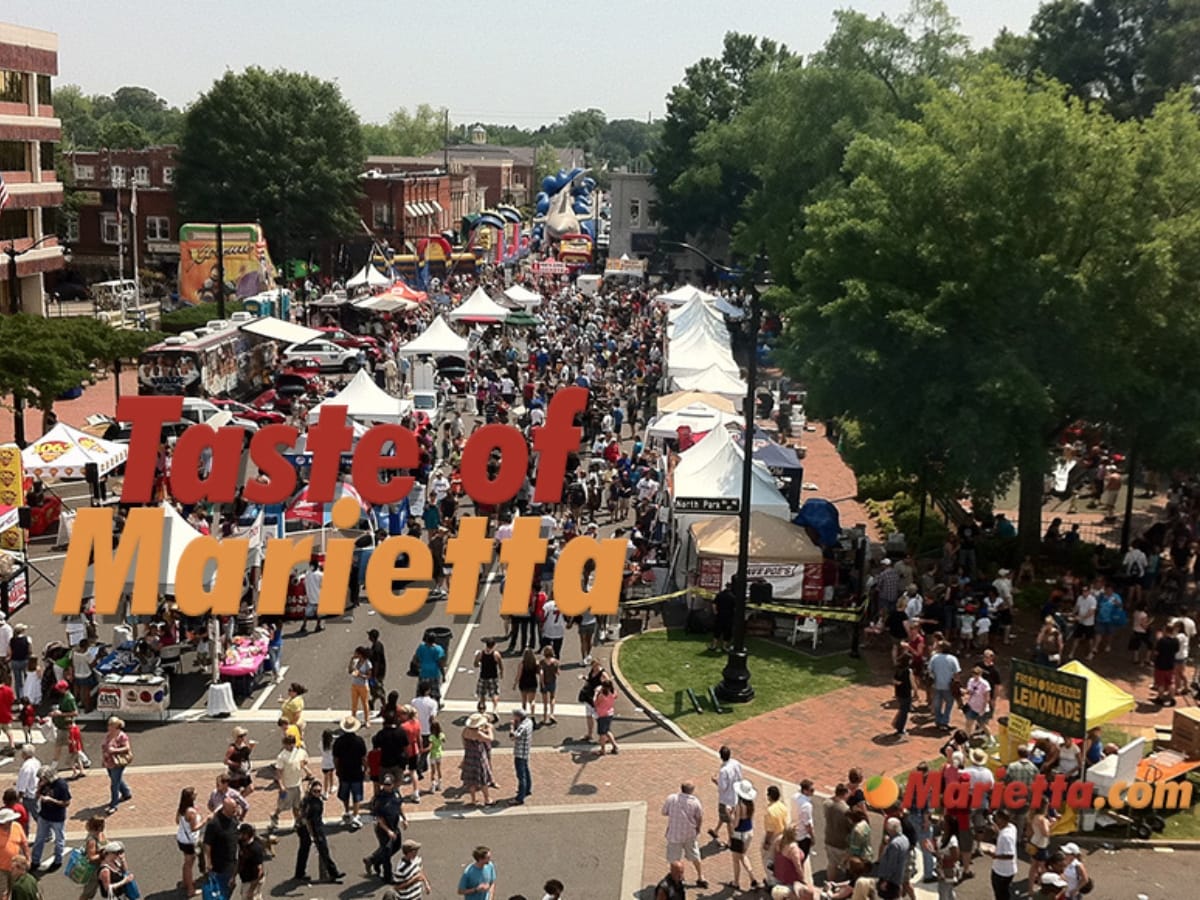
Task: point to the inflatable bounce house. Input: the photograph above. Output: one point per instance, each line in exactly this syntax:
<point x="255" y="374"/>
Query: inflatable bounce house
<point x="564" y="223"/>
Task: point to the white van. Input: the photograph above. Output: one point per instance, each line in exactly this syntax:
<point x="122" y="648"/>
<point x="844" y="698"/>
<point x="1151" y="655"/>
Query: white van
<point x="116" y="294"/>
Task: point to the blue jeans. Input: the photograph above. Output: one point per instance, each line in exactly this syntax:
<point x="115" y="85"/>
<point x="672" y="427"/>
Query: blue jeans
<point x="524" y="778"/>
<point x="44" y="829"/>
<point x="943" y="706"/>
<point x="924" y="832"/>
<point x="118" y="789"/>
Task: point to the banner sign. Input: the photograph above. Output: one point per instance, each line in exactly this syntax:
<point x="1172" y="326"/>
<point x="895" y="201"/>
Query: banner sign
<point x="550" y="267"/>
<point x="625" y="267"/>
<point x="12" y="493"/>
<point x="1052" y="699"/>
<point x="710" y="574"/>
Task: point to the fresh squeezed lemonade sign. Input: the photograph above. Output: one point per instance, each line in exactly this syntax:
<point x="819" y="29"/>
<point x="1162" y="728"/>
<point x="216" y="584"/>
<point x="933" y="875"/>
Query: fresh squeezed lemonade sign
<point x="92" y="564"/>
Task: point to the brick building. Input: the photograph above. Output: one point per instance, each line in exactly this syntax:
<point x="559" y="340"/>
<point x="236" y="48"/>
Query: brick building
<point x="400" y="202"/>
<point x="29" y="133"/>
<point x="100" y="237"/>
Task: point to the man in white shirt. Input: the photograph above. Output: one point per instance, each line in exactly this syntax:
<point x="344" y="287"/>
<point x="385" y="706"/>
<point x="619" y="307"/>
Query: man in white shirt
<point x="1085" y="623"/>
<point x="1004" y="855"/>
<point x="554" y="627"/>
<point x="6" y="636"/>
<point x="440" y="487"/>
<point x="802" y="818"/>
<point x="313" y="580"/>
<point x="913" y="604"/>
<point x="727" y="776"/>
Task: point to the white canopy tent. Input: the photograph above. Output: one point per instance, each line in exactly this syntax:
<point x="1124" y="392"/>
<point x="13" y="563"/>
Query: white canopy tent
<point x="696" y="416"/>
<point x="700" y="351"/>
<point x="707" y="481"/>
<point x="364" y="400"/>
<point x="64" y="452"/>
<point x="522" y="295"/>
<point x="713" y="379"/>
<point x="386" y="303"/>
<point x="701" y="323"/>
<point x="177" y="534"/>
<point x="694" y="307"/>
<point x="479" y="307"/>
<point x="438" y="339"/>
<point x="683" y="294"/>
<point x="369" y="276"/>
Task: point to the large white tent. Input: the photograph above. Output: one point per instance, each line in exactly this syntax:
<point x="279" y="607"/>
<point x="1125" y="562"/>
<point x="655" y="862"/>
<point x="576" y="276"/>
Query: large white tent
<point x="438" y="339"/>
<point x="64" y="452"/>
<point x="364" y="400"/>
<point x="522" y="295"/>
<point x="713" y="379"/>
<point x="683" y="294"/>
<point x="370" y="276"/>
<point x="479" y="307"/>
<point x="697" y="416"/>
<point x="177" y="534"/>
<point x="681" y="316"/>
<point x="698" y="351"/>
<point x="707" y="481"/>
<point x="386" y="303"/>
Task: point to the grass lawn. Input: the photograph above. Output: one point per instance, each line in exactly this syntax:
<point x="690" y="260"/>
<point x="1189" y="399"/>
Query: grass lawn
<point x="676" y="661"/>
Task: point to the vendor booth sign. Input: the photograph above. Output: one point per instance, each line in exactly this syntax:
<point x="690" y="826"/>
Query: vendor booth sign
<point x="1053" y="699"/>
<point x="729" y="505"/>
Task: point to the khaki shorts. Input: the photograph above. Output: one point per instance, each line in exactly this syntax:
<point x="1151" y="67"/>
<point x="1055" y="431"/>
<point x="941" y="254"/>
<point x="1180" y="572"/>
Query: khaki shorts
<point x="689" y="851"/>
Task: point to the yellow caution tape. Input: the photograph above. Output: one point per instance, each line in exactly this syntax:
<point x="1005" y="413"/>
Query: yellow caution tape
<point x="852" y="614"/>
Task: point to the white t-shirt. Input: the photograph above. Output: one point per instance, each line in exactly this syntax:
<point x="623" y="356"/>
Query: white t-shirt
<point x="554" y="626"/>
<point x="312" y="586"/>
<point x="802" y="812"/>
<point x="6" y="635"/>
<point x="1085" y="609"/>
<point x="290" y="766"/>
<point x="1006" y="845"/>
<point x="427" y="709"/>
<point x="913" y="607"/>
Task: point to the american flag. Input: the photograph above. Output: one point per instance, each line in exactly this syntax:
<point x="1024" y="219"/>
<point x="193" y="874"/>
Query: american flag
<point x="3" y="194"/>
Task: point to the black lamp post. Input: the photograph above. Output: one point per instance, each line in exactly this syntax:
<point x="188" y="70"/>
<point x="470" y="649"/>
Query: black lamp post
<point x="735" y="677"/>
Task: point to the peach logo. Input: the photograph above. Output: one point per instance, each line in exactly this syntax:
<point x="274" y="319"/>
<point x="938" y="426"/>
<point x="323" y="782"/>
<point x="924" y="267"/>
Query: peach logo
<point x="881" y="791"/>
<point x="49" y="451"/>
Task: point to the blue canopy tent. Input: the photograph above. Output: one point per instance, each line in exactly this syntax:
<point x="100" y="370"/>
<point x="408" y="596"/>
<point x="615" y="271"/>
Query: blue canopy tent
<point x="822" y="517"/>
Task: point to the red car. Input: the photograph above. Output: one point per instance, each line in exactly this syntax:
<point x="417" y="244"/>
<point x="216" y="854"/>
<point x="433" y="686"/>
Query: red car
<point x="343" y="338"/>
<point x="258" y="415"/>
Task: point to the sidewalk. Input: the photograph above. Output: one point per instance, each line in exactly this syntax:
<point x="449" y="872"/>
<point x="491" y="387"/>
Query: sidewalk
<point x="835" y="480"/>
<point x="97" y="398"/>
<point x="568" y="776"/>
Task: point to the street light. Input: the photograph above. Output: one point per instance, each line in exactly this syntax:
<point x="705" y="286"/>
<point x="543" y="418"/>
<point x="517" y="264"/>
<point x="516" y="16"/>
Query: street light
<point x="735" y="677"/>
<point x="14" y="307"/>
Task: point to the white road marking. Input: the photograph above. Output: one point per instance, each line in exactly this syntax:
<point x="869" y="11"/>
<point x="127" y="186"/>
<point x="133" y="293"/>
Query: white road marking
<point x="258" y="704"/>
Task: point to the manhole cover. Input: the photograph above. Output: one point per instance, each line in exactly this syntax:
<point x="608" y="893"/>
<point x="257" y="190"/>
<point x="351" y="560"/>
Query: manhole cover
<point x="843" y="672"/>
<point x="654" y="688"/>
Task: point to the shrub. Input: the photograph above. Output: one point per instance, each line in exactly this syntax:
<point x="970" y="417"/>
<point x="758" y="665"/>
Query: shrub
<point x="191" y="317"/>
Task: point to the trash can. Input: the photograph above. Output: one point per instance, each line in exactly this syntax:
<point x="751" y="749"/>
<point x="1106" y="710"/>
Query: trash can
<point x="441" y="636"/>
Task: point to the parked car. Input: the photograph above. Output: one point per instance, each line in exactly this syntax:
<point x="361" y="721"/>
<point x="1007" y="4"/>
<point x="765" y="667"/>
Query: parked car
<point x="343" y="338"/>
<point x="328" y="355"/>
<point x="119" y="432"/>
<point x="200" y="410"/>
<point x="259" y="417"/>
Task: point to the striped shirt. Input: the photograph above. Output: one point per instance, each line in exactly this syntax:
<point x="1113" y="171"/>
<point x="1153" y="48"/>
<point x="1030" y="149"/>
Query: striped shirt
<point x="405" y="869"/>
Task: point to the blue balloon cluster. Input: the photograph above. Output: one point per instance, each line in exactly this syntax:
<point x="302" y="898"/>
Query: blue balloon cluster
<point x="581" y="201"/>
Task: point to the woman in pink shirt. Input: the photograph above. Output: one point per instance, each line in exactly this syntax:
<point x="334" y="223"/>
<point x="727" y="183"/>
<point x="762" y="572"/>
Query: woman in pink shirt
<point x="606" y="699"/>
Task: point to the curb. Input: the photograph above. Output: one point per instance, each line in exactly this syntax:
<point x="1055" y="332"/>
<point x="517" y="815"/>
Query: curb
<point x="659" y="719"/>
<point x="1095" y="843"/>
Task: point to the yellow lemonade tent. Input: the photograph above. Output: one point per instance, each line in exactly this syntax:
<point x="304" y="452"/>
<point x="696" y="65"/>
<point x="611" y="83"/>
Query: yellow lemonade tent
<point x="1105" y="701"/>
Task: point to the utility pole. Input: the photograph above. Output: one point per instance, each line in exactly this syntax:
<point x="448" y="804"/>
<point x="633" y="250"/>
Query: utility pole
<point x="220" y="272"/>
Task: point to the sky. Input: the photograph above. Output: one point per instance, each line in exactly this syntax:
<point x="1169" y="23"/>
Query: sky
<point x="524" y="63"/>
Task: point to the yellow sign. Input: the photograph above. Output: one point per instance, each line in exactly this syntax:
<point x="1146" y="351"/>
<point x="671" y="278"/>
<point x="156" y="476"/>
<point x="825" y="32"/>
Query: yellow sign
<point x="1019" y="729"/>
<point x="12" y="492"/>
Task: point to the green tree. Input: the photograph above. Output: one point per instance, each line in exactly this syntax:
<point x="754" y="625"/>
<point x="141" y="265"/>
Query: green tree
<point x="282" y="148"/>
<point x="960" y="298"/>
<point x="77" y="113"/>
<point x="1127" y="54"/>
<point x="121" y="134"/>
<point x="705" y="196"/>
<point x="545" y="162"/>
<point x="407" y="134"/>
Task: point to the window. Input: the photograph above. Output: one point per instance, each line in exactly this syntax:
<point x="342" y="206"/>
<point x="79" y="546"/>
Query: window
<point x="12" y="87"/>
<point x="14" y="224"/>
<point x="84" y="173"/>
<point x="13" y="156"/>
<point x="70" y="228"/>
<point x="117" y="174"/>
<point x="381" y="213"/>
<point x="108" y="229"/>
<point x="168" y="174"/>
<point x="158" y="228"/>
<point x="46" y="151"/>
<point x="44" y="90"/>
<point x="652" y="214"/>
<point x="141" y="176"/>
<point x="635" y="212"/>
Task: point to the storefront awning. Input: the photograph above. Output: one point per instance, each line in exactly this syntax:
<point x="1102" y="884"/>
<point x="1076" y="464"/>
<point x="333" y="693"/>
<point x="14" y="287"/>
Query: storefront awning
<point x="279" y="330"/>
<point x="411" y="209"/>
<point x="437" y="207"/>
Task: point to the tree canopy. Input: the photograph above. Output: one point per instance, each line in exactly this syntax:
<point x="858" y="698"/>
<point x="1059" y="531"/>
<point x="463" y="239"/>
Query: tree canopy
<point x="1008" y="263"/>
<point x="1125" y="54"/>
<point x="131" y="118"/>
<point x="407" y="134"/>
<point x="281" y="148"/>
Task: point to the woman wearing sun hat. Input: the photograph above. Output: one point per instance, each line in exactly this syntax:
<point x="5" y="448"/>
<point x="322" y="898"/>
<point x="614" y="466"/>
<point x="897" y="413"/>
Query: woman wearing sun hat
<point x="1074" y="874"/>
<point x="477" y="757"/>
<point x="742" y="817"/>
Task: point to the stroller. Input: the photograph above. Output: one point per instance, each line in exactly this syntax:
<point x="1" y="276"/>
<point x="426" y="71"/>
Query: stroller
<point x="56" y="658"/>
